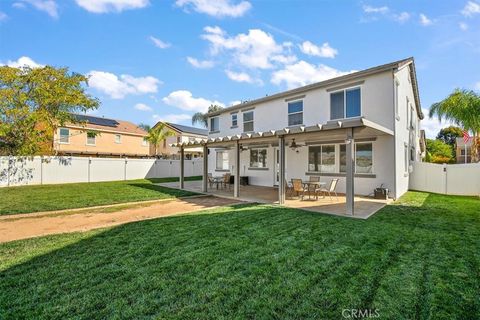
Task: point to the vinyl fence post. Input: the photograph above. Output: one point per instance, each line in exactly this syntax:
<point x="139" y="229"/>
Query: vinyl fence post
<point x="89" y="169"/>
<point x="9" y="161"/>
<point x="125" y="170"/>
<point x="41" y="170"/>
<point x="445" y="174"/>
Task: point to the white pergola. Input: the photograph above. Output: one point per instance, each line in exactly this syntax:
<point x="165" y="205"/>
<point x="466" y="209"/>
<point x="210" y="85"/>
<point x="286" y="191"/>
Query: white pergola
<point x="347" y="129"/>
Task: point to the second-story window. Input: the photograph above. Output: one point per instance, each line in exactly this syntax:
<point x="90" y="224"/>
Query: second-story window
<point x="214" y="124"/>
<point x="91" y="138"/>
<point x="118" y="138"/>
<point x="345" y="104"/>
<point x="248" y="121"/>
<point x="295" y="113"/>
<point x="64" y="135"/>
<point x="145" y="142"/>
<point x="234" y="120"/>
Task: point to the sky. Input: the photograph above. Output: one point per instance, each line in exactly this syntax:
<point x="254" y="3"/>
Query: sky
<point x="151" y="60"/>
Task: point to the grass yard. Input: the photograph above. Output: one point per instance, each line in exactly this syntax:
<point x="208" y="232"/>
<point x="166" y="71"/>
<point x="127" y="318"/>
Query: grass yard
<point x="417" y="259"/>
<point x="29" y="199"/>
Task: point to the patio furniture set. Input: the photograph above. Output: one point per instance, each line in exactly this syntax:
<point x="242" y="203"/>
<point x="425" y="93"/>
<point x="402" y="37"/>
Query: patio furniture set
<point x="311" y="188"/>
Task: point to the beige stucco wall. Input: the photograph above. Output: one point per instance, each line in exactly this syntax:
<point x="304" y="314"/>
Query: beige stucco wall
<point x="165" y="148"/>
<point x="105" y="143"/>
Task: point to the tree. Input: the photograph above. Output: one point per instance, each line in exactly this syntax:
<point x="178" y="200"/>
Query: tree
<point x="463" y="108"/>
<point x="159" y="133"/>
<point x="438" y="151"/>
<point x="34" y="102"/>
<point x="449" y="135"/>
<point x="202" y="118"/>
<point x="145" y="126"/>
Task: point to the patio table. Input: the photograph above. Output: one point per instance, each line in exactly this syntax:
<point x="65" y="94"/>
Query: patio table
<point x="217" y="180"/>
<point x="311" y="186"/>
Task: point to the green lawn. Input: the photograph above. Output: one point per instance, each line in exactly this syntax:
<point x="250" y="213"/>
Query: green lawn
<point x="29" y="199"/>
<point x="417" y="259"/>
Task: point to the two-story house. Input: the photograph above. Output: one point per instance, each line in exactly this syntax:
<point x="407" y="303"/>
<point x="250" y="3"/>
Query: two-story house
<point x="181" y="134"/>
<point x="362" y="128"/>
<point x="101" y="137"/>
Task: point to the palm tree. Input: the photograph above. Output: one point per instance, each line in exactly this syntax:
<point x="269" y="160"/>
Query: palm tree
<point x="144" y="126"/>
<point x="159" y="133"/>
<point x="463" y="108"/>
<point x="202" y="118"/>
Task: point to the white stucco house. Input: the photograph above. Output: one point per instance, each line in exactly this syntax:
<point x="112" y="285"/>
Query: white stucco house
<point x="362" y="128"/>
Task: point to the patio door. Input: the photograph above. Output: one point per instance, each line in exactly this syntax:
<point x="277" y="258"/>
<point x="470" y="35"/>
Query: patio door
<point x="276" y="171"/>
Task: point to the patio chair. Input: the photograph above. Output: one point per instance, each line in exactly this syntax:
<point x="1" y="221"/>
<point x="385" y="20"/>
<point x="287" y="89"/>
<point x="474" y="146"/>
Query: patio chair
<point x="210" y="180"/>
<point x="332" y="188"/>
<point x="226" y="180"/>
<point x="288" y="188"/>
<point x="298" y="187"/>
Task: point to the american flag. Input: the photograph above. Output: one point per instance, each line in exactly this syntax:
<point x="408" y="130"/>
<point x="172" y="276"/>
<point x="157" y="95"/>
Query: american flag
<point x="466" y="136"/>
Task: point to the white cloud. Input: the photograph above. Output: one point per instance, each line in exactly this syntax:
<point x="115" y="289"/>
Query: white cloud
<point x="3" y="16"/>
<point x="283" y="59"/>
<point x="142" y="107"/>
<point x="104" y="6"/>
<point x="159" y="43"/>
<point x="432" y="126"/>
<point x="471" y="8"/>
<point x="234" y="102"/>
<point x="370" y="9"/>
<point x="48" y="6"/>
<point x="22" y="62"/>
<point x="216" y="8"/>
<point x="325" y="51"/>
<point x="119" y="87"/>
<point x="424" y="20"/>
<point x="242" y="77"/>
<point x="18" y="5"/>
<point x="303" y="73"/>
<point x="252" y="50"/>
<point x="205" y="64"/>
<point x="184" y="100"/>
<point x="463" y="26"/>
<point x="402" y="17"/>
<point x="173" y="118"/>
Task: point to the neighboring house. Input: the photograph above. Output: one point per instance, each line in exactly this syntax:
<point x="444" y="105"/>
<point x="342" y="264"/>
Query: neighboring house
<point x="463" y="150"/>
<point x="371" y="117"/>
<point x="101" y="137"/>
<point x="181" y="134"/>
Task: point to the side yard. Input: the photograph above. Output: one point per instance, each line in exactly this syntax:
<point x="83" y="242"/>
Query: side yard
<point x="416" y="259"/>
<point x="38" y="198"/>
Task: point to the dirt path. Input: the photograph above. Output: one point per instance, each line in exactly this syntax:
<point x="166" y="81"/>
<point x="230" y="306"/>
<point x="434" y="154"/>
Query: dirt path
<point x="26" y="226"/>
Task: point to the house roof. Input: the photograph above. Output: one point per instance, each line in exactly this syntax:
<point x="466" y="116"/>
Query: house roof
<point x="348" y="77"/>
<point x="185" y="129"/>
<point x="106" y="124"/>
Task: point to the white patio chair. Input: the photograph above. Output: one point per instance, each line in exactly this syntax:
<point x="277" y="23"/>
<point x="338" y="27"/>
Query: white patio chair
<point x="332" y="188"/>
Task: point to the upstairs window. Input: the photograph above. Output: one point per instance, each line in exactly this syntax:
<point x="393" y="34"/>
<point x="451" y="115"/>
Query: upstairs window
<point x="91" y="138"/>
<point x="145" y="142"/>
<point x="258" y="158"/>
<point x="118" y="138"/>
<point x="234" y="120"/>
<point x="295" y="113"/>
<point x="345" y="104"/>
<point x="248" y="121"/>
<point x="64" y="135"/>
<point x="222" y="160"/>
<point x="214" y="124"/>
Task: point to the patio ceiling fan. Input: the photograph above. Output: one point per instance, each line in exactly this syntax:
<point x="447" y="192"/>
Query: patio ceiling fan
<point x="294" y="145"/>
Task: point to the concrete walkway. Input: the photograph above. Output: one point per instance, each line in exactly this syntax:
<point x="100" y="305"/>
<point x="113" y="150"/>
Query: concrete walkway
<point x="41" y="224"/>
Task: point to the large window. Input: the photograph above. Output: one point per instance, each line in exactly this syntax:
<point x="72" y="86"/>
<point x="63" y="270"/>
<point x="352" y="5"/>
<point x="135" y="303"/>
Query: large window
<point x="234" y="120"/>
<point x="214" y="124"/>
<point x="325" y="158"/>
<point x="258" y="158"/>
<point x="64" y="135"/>
<point x="91" y="138"/>
<point x="222" y="160"/>
<point x="345" y="104"/>
<point x="248" y="121"/>
<point x="321" y="158"/>
<point x="295" y="113"/>
<point x="363" y="158"/>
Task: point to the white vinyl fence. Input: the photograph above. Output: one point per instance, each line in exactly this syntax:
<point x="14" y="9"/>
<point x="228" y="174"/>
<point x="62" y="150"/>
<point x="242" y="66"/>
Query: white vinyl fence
<point x="16" y="171"/>
<point x="455" y="179"/>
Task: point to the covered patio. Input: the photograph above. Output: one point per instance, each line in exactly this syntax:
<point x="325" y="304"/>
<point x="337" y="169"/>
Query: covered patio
<point x="347" y="131"/>
<point x="364" y="206"/>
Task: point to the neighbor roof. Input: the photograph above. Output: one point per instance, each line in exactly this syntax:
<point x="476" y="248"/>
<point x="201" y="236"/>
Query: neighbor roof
<point x="106" y="124"/>
<point x="187" y="129"/>
<point x="350" y="76"/>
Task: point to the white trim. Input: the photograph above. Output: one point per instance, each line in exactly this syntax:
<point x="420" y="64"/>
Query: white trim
<point x="249" y="121"/>
<point x="345" y="102"/>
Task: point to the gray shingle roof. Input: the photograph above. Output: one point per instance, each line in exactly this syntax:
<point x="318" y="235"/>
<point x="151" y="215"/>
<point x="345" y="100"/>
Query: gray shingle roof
<point x="187" y="129"/>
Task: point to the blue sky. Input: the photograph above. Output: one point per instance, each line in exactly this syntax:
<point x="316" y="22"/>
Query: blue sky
<point x="150" y="60"/>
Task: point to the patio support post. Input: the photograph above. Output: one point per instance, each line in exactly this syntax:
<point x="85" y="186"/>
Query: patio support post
<point x="236" y="180"/>
<point x="205" y="168"/>
<point x="350" y="176"/>
<point x="182" y="167"/>
<point x="281" y="178"/>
